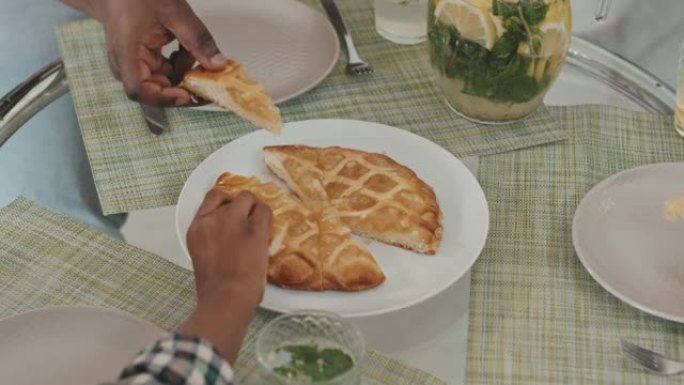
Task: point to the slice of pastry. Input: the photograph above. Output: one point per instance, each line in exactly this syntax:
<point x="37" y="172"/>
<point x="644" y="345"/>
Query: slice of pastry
<point x="234" y="90"/>
<point x="310" y="247"/>
<point x="375" y="196"/>
<point x="346" y="264"/>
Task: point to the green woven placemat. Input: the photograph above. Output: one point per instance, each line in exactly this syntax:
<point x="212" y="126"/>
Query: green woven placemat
<point x="133" y="170"/>
<point x="47" y="259"/>
<point x="536" y="316"/>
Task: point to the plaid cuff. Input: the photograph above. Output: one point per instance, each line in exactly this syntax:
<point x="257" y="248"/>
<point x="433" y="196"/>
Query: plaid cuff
<point x="178" y="360"/>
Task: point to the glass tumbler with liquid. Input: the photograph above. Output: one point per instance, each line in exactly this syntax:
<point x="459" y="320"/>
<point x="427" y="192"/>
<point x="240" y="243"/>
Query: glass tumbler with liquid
<point x="310" y="348"/>
<point x="402" y="21"/>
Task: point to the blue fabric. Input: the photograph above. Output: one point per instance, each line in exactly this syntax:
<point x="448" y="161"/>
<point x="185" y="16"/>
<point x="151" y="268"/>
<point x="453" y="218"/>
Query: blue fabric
<point x="45" y="160"/>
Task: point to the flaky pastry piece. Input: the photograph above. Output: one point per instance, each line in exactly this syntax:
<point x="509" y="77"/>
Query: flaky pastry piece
<point x="346" y="264"/>
<point x="310" y="247"/>
<point x="374" y="195"/>
<point x="234" y="90"/>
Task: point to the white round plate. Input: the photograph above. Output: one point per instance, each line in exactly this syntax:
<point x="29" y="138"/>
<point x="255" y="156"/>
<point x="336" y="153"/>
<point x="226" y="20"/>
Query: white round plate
<point x="285" y="45"/>
<point x="627" y="244"/>
<point x="70" y="345"/>
<point x="411" y="277"/>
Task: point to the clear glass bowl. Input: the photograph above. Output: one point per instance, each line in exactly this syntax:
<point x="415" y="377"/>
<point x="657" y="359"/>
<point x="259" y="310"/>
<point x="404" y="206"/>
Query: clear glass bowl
<point x="494" y="59"/>
<point x="304" y="328"/>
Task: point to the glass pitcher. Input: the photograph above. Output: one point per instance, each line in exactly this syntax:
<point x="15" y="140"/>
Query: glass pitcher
<point x="496" y="59"/>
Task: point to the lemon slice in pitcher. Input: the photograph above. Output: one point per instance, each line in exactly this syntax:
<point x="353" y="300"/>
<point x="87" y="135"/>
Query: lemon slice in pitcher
<point x="554" y="39"/>
<point x="473" y="23"/>
<point x="559" y="12"/>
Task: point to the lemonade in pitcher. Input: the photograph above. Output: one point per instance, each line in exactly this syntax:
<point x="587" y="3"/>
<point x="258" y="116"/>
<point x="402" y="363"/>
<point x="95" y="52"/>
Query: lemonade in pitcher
<point x="496" y="59"/>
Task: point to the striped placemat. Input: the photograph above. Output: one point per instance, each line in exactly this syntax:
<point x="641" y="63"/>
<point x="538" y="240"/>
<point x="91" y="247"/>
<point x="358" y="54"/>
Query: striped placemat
<point x="133" y="170"/>
<point x="47" y="259"/>
<point x="536" y="316"/>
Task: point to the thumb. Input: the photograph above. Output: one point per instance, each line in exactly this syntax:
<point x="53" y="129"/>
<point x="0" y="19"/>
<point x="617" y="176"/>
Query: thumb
<point x="195" y="37"/>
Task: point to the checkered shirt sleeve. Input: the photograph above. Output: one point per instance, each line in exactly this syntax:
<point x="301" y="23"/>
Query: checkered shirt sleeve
<point x="178" y="360"/>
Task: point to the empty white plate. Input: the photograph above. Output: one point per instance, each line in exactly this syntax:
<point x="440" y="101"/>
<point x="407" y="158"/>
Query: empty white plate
<point x="629" y="245"/>
<point x="285" y="45"/>
<point x="70" y="345"/>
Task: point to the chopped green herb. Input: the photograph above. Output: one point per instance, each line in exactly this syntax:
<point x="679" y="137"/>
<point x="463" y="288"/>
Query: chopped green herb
<point x="310" y="362"/>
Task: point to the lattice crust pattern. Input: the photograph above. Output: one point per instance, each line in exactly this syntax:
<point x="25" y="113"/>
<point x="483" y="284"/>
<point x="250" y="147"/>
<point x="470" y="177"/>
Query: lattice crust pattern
<point x="310" y="247"/>
<point x="346" y="264"/>
<point x="375" y="196"/>
<point x="233" y="89"/>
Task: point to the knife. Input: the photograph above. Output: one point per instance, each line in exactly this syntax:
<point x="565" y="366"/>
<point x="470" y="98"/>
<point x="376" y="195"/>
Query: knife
<point x="154" y="117"/>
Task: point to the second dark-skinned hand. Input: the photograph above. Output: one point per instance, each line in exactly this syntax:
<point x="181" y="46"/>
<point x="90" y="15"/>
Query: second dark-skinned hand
<point x="136" y="31"/>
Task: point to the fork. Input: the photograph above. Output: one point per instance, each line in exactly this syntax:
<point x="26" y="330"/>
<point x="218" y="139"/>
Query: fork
<point x="355" y="65"/>
<point x="651" y="361"/>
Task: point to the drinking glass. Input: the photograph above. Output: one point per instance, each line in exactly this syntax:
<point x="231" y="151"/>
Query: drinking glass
<point x="309" y="328"/>
<point x="401" y="21"/>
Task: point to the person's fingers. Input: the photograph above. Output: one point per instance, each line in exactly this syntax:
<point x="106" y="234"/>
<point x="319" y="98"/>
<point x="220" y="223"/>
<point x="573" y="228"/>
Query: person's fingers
<point x="145" y="71"/>
<point x="155" y="94"/>
<point x="243" y="204"/>
<point x="159" y="93"/>
<point x="161" y="80"/>
<point x="153" y="59"/>
<point x="131" y="67"/>
<point x="113" y="61"/>
<point x="157" y="38"/>
<point x="214" y="199"/>
<point x="138" y="71"/>
<point x="194" y="35"/>
<point x="166" y="69"/>
<point x="181" y="97"/>
<point x="262" y="219"/>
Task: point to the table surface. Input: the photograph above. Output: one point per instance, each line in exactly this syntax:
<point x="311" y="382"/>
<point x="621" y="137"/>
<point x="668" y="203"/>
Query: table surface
<point x="438" y="343"/>
<point x="647" y="33"/>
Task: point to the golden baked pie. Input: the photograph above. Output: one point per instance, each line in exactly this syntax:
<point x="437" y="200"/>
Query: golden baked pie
<point x="234" y="90"/>
<point x="311" y="249"/>
<point x="374" y="195"/>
